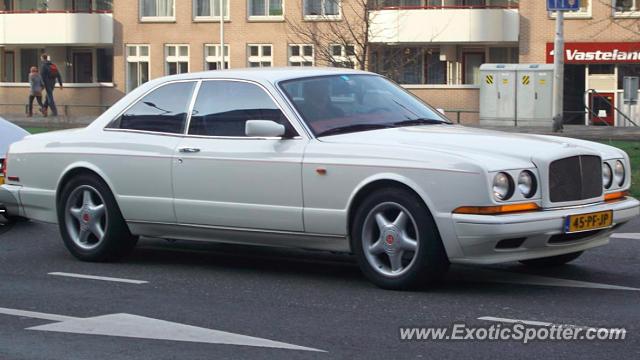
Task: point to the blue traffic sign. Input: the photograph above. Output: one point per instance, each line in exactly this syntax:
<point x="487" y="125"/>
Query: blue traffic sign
<point x="563" y="5"/>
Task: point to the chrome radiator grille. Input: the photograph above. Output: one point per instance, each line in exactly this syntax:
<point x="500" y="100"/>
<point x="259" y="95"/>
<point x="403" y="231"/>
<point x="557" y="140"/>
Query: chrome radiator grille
<point x="575" y="178"/>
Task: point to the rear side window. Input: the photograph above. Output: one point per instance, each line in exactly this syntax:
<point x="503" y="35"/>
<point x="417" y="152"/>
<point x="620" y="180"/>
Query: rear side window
<point x="163" y="110"/>
<point x="223" y="107"/>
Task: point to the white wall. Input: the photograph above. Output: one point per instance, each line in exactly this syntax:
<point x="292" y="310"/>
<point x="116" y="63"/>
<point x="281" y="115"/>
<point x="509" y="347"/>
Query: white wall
<point x="445" y="26"/>
<point x="56" y="29"/>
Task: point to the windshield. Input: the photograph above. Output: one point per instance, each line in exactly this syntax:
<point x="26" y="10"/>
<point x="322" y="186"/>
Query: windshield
<point x="337" y="104"/>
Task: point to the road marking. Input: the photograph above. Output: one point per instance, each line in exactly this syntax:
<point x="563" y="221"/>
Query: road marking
<point x="140" y="327"/>
<point x="494" y="276"/>
<point x="632" y="236"/>
<point x="35" y="315"/>
<point x="541" y="323"/>
<point x="103" y="278"/>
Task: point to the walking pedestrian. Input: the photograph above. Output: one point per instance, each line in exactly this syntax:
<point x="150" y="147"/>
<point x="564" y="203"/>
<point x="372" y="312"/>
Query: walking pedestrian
<point x="35" y="91"/>
<point x="50" y="74"/>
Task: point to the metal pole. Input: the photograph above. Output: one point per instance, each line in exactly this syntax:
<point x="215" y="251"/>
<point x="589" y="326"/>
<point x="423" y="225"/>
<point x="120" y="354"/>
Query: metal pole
<point x="222" y="34"/>
<point x="558" y="73"/>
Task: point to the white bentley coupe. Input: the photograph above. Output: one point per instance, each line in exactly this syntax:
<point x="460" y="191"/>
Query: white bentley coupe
<point x="327" y="159"/>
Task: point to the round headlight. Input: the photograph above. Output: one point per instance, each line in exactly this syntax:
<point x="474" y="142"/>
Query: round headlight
<point x="607" y="175"/>
<point x="502" y="186"/>
<point x="619" y="173"/>
<point x="527" y="183"/>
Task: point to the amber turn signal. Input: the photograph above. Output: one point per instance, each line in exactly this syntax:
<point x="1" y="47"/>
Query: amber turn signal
<point x="495" y="210"/>
<point x="615" y="195"/>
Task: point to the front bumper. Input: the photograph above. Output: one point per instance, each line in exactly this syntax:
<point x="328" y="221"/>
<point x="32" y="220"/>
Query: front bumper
<point x="478" y="235"/>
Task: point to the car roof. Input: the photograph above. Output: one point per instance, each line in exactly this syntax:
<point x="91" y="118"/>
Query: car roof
<point x="271" y="75"/>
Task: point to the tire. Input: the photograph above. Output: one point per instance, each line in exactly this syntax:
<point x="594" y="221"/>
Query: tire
<point x="82" y="218"/>
<point x="552" y="261"/>
<point x="392" y="255"/>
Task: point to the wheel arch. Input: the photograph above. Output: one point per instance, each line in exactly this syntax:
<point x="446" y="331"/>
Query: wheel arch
<point x="382" y="181"/>
<point x="81" y="168"/>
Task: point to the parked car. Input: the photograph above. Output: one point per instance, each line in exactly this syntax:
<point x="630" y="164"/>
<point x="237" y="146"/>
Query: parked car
<point x="327" y="159"/>
<point x="9" y="133"/>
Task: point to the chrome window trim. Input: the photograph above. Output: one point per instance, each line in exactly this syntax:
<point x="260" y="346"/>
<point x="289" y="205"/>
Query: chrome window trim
<point x="147" y="132"/>
<point x="275" y="102"/>
<point x="192" y="104"/>
<point x="137" y="100"/>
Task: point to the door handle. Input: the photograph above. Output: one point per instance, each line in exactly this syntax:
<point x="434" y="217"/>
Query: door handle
<point x="189" y="150"/>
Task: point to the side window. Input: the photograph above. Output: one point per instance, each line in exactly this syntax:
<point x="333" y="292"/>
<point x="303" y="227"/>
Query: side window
<point x="162" y="110"/>
<point x="223" y="107"/>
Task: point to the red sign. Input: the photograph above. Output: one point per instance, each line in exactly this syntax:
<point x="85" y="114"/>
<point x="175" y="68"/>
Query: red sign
<point x="598" y="53"/>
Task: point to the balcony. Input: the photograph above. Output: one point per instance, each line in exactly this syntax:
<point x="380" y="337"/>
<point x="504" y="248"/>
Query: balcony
<point x="61" y="22"/>
<point x="477" y="23"/>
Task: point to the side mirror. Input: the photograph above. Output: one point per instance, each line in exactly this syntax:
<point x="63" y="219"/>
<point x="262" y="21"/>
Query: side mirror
<point x="441" y="111"/>
<point x="263" y="128"/>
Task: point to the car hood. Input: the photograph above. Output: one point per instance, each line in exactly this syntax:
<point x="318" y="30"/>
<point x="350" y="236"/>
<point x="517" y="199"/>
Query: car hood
<point x="9" y="133"/>
<point x="495" y="150"/>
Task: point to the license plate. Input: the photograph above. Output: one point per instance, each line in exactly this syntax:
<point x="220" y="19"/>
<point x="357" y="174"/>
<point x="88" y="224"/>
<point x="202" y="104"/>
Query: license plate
<point x="586" y="222"/>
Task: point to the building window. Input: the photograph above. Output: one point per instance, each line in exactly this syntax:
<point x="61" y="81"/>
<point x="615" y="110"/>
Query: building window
<point x="321" y="9"/>
<point x="435" y="70"/>
<point x="29" y="58"/>
<point x="260" y="55"/>
<point x="265" y="9"/>
<point x="157" y="10"/>
<point x="8" y="67"/>
<point x="301" y="55"/>
<point x="82" y="66"/>
<point x="624" y="8"/>
<point x="137" y="65"/>
<point x="105" y="65"/>
<point x="343" y="56"/>
<point x="176" y="59"/>
<point x="503" y="55"/>
<point x="213" y="59"/>
<point x="626" y="70"/>
<point x="210" y="9"/>
<point x="471" y="67"/>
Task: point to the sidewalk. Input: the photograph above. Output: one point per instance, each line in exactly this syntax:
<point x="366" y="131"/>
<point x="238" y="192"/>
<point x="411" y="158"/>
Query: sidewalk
<point x="574" y="131"/>
<point x="51" y="122"/>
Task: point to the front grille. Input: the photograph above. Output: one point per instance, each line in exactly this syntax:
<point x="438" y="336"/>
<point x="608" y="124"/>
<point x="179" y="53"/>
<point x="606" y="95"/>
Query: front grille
<point x="575" y="178"/>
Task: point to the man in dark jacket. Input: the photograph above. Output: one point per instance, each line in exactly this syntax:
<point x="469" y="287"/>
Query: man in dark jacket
<point x="50" y="74"/>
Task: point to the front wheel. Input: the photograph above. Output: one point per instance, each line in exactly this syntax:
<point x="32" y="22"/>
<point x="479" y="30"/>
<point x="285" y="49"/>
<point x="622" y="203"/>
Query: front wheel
<point x="396" y="241"/>
<point x="552" y="260"/>
<point x="90" y="221"/>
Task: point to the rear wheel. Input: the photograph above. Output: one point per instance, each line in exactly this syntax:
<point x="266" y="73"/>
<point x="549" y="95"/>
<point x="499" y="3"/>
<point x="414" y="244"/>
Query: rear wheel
<point x="396" y="241"/>
<point x="90" y="221"/>
<point x="553" y="260"/>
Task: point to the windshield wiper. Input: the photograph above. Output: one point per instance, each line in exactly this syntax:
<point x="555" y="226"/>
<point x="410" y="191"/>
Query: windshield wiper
<point x="354" y="128"/>
<point x="421" y="121"/>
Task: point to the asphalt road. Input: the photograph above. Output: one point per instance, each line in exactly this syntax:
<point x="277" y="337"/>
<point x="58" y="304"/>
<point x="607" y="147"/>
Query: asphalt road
<point x="308" y="299"/>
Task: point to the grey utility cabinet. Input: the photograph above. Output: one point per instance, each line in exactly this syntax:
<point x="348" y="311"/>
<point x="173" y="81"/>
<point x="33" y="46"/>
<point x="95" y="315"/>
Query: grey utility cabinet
<point x="525" y="88"/>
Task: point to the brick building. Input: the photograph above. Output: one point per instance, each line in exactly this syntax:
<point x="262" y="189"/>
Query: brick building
<point x="432" y="47"/>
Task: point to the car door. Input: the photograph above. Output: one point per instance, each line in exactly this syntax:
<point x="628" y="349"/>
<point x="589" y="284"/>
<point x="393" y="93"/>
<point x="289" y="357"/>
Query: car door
<point x="223" y="178"/>
<point x="139" y="147"/>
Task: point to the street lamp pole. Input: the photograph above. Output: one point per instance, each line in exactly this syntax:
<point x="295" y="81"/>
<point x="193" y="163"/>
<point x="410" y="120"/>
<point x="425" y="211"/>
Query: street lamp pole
<point x="222" y="34"/>
<point x="558" y="73"/>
